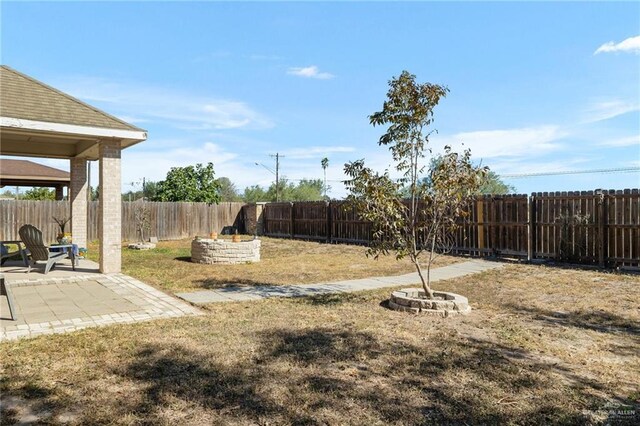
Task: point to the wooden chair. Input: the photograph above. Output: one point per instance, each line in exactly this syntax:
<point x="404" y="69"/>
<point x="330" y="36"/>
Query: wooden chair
<point x="38" y="251"/>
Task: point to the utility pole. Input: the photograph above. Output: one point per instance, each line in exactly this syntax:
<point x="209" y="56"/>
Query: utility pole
<point x="277" y="156"/>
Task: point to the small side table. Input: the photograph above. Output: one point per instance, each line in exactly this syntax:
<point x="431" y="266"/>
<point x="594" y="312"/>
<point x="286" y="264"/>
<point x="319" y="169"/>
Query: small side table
<point x="72" y="249"/>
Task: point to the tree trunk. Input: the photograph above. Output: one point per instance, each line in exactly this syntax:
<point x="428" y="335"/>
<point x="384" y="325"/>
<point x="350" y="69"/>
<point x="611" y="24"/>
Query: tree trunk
<point x="425" y="282"/>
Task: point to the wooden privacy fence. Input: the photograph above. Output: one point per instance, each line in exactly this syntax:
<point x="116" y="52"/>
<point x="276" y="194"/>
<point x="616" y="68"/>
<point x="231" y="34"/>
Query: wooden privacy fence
<point x="167" y="221"/>
<point x="587" y="227"/>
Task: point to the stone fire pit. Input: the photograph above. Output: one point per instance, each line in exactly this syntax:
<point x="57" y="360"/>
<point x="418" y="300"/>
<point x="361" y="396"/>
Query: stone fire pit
<point x="414" y="300"/>
<point x="224" y="251"/>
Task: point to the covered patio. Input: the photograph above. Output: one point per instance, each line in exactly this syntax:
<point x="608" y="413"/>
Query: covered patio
<point x="40" y="121"/>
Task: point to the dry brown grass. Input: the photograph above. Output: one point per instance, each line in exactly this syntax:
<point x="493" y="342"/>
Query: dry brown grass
<point x="283" y="262"/>
<point x="542" y="346"/>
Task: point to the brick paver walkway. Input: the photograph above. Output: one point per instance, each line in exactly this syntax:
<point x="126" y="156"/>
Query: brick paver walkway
<point x="238" y="293"/>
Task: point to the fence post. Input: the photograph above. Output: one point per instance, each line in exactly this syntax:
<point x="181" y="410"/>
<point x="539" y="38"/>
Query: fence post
<point x="480" y="216"/>
<point x="293" y="219"/>
<point x="329" y="205"/>
<point x="602" y="211"/>
<point x="531" y="227"/>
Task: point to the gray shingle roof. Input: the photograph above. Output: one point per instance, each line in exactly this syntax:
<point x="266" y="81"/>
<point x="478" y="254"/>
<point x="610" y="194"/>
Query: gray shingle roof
<point x="27" y="98"/>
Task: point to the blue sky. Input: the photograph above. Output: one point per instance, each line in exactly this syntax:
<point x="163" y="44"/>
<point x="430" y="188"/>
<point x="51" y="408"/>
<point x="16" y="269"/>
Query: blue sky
<point x="535" y="87"/>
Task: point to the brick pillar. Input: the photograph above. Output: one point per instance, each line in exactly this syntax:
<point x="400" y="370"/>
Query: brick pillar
<point x="78" y="201"/>
<point x="253" y="218"/>
<point x="110" y="221"/>
<point x="59" y="192"/>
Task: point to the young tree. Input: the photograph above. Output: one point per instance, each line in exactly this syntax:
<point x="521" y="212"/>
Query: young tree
<point x="429" y="218"/>
<point x="195" y="184"/>
<point x="142" y="218"/>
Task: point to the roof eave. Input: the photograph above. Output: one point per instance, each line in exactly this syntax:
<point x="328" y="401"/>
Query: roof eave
<point x="131" y="136"/>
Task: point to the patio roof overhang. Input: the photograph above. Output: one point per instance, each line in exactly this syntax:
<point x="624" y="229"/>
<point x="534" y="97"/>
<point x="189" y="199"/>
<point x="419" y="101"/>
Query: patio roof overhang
<point x="37" y="120"/>
<point x="31" y="138"/>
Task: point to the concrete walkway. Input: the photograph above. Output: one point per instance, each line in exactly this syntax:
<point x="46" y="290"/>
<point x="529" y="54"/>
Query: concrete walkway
<point x="239" y="294"/>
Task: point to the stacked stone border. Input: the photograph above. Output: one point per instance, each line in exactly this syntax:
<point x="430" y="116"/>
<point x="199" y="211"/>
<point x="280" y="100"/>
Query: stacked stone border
<point x="414" y="300"/>
<point x="218" y="251"/>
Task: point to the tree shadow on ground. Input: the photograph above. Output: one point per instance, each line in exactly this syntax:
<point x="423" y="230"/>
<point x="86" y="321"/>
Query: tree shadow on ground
<point x="597" y="320"/>
<point x="30" y="400"/>
<point x="325" y="375"/>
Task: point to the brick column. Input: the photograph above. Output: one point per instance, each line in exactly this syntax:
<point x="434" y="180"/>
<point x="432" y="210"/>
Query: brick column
<point x="78" y="201"/>
<point x="253" y="218"/>
<point x="110" y="221"/>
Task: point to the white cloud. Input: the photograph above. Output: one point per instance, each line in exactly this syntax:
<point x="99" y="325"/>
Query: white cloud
<point x="316" y="151"/>
<point x="309" y="72"/>
<point x="182" y="110"/>
<point x="528" y="141"/>
<point x="625" y="141"/>
<point x="631" y="44"/>
<point x="526" y="165"/>
<point x="606" y="110"/>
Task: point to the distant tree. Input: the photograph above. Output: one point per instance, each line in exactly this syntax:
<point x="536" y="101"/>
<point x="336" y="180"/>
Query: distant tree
<point x="227" y="190"/>
<point x="7" y="194"/>
<point x="150" y="190"/>
<point x="195" y="184"/>
<point x="94" y="193"/>
<point x="39" y="194"/>
<point x="325" y="163"/>
<point x="255" y="194"/>
<point x="493" y="184"/>
<point x="304" y="190"/>
<point x="132" y="195"/>
<point x="429" y="219"/>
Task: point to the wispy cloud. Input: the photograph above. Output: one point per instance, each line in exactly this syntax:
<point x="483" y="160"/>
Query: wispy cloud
<point x="631" y="45"/>
<point x="621" y="142"/>
<point x="316" y="151"/>
<point x="527" y="141"/>
<point x="309" y="72"/>
<point x="606" y="110"/>
<point x="180" y="109"/>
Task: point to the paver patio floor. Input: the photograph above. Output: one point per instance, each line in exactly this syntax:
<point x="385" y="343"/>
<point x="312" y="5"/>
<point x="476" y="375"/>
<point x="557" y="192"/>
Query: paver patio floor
<point x="58" y="305"/>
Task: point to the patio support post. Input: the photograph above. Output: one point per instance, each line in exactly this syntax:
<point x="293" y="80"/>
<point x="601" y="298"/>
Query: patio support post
<point x="78" y="200"/>
<point x="110" y="207"/>
<point x="59" y="192"/>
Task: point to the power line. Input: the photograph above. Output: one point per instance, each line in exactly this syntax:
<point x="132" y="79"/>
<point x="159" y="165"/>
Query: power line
<point x="573" y="172"/>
